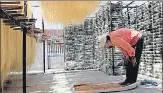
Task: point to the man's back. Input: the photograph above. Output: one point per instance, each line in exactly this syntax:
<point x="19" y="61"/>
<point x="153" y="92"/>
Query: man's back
<point x="129" y="35"/>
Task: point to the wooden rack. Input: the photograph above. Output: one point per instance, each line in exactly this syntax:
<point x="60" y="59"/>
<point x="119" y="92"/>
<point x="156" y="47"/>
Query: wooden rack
<point x="11" y="13"/>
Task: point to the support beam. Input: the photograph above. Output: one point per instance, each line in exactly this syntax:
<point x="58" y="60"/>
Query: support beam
<point x="25" y="30"/>
<point x="129" y="3"/>
<point x="111" y="29"/>
<point x="16" y="14"/>
<point x="12" y="8"/>
<point x="26" y="19"/>
<point x="128" y="17"/>
<point x="11" y="2"/>
<point x="129" y="7"/>
<point x="24" y="59"/>
<point x="8" y="6"/>
<point x="113" y="61"/>
<point x="64" y="46"/>
<point x="43" y="46"/>
<point x="12" y="12"/>
<point x="4" y="14"/>
<point x="25" y="8"/>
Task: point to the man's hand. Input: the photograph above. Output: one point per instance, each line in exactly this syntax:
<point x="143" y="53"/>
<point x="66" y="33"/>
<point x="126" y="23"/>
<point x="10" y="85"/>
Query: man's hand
<point x="133" y="60"/>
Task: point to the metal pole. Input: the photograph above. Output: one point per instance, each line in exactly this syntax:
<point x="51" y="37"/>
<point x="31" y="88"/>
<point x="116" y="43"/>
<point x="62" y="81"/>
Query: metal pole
<point x="51" y="47"/>
<point x="162" y="28"/>
<point x="128" y="16"/>
<point x="64" y="46"/>
<point x="129" y="3"/>
<point x="93" y="50"/>
<point x="136" y="19"/>
<point x="113" y="59"/>
<point x="48" y="53"/>
<point x="152" y="31"/>
<point x="24" y="49"/>
<point x="43" y="46"/>
<point x="25" y="8"/>
<point x="111" y="29"/>
<point x="24" y="59"/>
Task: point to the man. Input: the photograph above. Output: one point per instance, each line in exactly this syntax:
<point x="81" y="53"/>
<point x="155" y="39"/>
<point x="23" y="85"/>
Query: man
<point x="130" y="42"/>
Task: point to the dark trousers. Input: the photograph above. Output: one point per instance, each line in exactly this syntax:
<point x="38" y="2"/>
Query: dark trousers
<point x="132" y="71"/>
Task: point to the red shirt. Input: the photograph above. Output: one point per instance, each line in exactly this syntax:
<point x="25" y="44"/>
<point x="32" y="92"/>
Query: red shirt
<point x="125" y="38"/>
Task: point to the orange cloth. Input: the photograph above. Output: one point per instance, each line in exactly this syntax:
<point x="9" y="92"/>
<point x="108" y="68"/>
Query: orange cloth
<point x="124" y="39"/>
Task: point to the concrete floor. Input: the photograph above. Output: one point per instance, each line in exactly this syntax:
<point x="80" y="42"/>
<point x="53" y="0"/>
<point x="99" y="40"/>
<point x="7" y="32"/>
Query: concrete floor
<point x="57" y="80"/>
<point x="98" y="77"/>
<point x="60" y="81"/>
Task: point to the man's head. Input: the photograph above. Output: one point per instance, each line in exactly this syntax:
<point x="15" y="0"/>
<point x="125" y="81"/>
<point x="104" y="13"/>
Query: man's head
<point x="108" y="43"/>
<point x="105" y="41"/>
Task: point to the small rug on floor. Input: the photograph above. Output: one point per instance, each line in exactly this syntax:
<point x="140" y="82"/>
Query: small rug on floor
<point x="102" y="88"/>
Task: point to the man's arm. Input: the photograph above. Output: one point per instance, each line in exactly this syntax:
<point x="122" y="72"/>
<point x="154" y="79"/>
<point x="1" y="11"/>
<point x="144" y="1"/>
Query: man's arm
<point x="124" y="52"/>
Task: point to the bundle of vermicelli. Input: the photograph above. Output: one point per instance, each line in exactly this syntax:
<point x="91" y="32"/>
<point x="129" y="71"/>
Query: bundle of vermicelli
<point x="29" y="9"/>
<point x="67" y="11"/>
<point x="11" y="47"/>
<point x="11" y="50"/>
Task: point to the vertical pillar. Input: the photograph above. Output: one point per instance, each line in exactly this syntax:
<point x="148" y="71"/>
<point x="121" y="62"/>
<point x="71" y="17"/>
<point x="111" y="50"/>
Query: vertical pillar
<point x="43" y="47"/>
<point x="24" y="49"/>
<point x="24" y="59"/>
